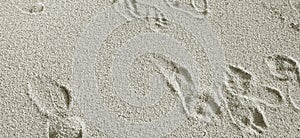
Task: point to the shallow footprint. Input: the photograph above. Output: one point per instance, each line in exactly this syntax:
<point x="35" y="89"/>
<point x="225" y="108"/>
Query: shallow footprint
<point x="286" y="69"/>
<point x="71" y="127"/>
<point x="60" y="123"/>
<point x="238" y="80"/>
<point x="29" y="7"/>
<point x="283" y="67"/>
<point x="51" y="95"/>
<point x="272" y="95"/>
<point x="245" y="114"/>
<point x="239" y="115"/>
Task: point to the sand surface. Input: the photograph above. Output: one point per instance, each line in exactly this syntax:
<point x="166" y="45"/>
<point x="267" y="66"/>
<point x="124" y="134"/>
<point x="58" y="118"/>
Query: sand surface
<point x="149" y="68"/>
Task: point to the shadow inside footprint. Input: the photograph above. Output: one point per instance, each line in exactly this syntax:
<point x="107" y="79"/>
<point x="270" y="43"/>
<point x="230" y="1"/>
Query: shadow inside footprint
<point x="271" y="95"/>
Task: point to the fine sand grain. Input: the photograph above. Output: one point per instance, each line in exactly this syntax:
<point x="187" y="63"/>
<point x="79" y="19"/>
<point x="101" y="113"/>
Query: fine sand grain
<point x="149" y="68"/>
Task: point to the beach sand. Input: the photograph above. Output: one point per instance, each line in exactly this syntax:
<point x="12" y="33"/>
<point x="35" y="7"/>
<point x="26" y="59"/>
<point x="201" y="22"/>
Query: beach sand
<point x="149" y="68"/>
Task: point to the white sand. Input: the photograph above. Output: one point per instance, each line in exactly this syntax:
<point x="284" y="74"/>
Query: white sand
<point x="150" y="68"/>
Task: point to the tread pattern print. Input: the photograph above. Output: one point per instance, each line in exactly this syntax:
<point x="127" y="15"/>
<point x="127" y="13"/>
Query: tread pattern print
<point x="56" y="109"/>
<point x="243" y="100"/>
<point x="286" y="69"/>
<point x="111" y="75"/>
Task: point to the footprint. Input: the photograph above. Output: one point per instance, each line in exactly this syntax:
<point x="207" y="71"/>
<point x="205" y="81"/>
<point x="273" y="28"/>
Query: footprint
<point x="245" y="114"/>
<point x="238" y="80"/>
<point x="258" y="117"/>
<point x="242" y="84"/>
<point x="71" y="127"/>
<point x="283" y="67"/>
<point x="294" y="4"/>
<point x="51" y="95"/>
<point x="56" y="108"/>
<point x="189" y="7"/>
<point x="139" y="10"/>
<point x="239" y="115"/>
<point x="286" y="69"/>
<point x="29" y="7"/>
<point x="271" y="95"/>
<point x="242" y="100"/>
<point x="181" y="82"/>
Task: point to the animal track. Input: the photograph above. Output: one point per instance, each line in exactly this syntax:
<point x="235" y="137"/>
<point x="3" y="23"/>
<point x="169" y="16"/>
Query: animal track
<point x="286" y="69"/>
<point x="61" y="124"/>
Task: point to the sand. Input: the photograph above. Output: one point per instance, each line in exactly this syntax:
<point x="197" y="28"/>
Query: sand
<point x="150" y="68"/>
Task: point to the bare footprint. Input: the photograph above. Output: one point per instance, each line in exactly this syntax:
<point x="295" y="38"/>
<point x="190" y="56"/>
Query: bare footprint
<point x="60" y="124"/>
<point x="286" y="69"/>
